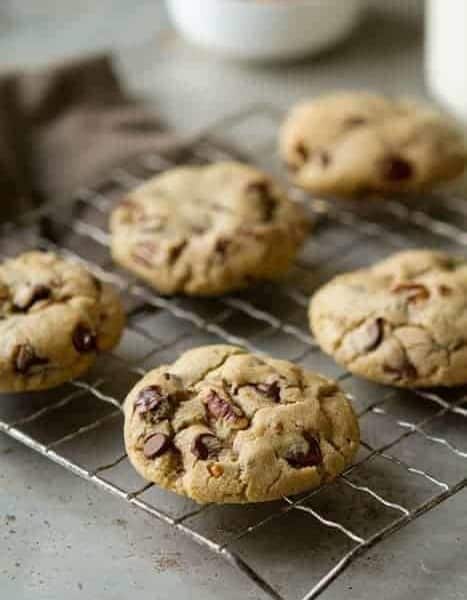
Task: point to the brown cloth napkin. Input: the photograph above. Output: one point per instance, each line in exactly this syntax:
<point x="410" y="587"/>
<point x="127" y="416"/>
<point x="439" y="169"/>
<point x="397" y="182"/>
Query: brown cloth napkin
<point x="65" y="127"/>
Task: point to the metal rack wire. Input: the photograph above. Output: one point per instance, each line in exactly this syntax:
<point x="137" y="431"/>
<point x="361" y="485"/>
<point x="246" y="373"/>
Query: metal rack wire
<point x="79" y="425"/>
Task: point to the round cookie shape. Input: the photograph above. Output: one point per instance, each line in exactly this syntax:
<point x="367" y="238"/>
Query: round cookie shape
<point x="54" y="319"/>
<point x="207" y="230"/>
<point x="358" y="143"/>
<point x="222" y="425"/>
<point x="401" y="322"/>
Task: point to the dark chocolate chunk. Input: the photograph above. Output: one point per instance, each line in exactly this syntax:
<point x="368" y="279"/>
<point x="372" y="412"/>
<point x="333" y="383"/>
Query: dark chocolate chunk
<point x="206" y="446"/>
<point x="445" y="290"/>
<point x="302" y="151"/>
<point x="175" y="252"/>
<point x="221" y="246"/>
<point x="396" y="168"/>
<point x="354" y="121"/>
<point x="149" y="399"/>
<point x="219" y="408"/>
<point x="323" y="157"/>
<point x="311" y="458"/>
<point x="262" y="190"/>
<point x="155" y="445"/>
<point x="271" y="390"/>
<point x="84" y="339"/>
<point x="97" y="284"/>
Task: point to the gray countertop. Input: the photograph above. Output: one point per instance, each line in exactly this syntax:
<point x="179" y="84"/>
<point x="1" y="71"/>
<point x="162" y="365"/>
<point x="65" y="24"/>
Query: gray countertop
<point x="62" y="537"/>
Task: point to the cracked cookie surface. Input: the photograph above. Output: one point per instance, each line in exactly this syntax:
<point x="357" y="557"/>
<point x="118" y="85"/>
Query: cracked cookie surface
<point x="54" y="319"/>
<point x="207" y="230"/>
<point x="401" y="322"/>
<point x="354" y="143"/>
<point x="222" y="425"/>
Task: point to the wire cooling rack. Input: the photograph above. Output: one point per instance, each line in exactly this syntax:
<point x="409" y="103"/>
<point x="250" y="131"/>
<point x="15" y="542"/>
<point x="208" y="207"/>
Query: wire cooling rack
<point x="414" y="444"/>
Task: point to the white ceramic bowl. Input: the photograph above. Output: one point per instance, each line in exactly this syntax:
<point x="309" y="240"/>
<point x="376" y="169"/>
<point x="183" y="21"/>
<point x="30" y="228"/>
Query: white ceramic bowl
<point x="265" y="29"/>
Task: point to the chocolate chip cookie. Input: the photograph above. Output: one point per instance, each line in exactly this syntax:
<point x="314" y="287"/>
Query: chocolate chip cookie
<point x="207" y="230"/>
<point x="353" y="143"/>
<point x="222" y="425"/>
<point x="402" y="322"/>
<point x="54" y="318"/>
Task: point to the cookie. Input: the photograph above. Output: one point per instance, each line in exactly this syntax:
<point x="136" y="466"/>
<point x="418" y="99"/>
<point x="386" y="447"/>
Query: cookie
<point x="353" y="143"/>
<point x="207" y="230"/>
<point x="54" y="318"/>
<point x="401" y="322"/>
<point x="222" y="425"/>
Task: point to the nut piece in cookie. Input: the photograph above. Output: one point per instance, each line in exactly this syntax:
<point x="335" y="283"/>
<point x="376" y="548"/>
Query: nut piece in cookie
<point x="401" y="322"/>
<point x="351" y="143"/>
<point x="230" y="427"/>
<point x="54" y="319"/>
<point x="207" y="230"/>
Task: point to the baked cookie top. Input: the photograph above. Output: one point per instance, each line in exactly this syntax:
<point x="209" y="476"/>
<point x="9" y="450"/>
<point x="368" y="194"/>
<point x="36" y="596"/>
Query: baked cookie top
<point x="353" y="143"/>
<point x="222" y="425"/>
<point x="402" y="322"/>
<point x="207" y="230"/>
<point x="54" y="317"/>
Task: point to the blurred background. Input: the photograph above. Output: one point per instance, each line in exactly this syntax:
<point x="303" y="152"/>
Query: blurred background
<point x="384" y="51"/>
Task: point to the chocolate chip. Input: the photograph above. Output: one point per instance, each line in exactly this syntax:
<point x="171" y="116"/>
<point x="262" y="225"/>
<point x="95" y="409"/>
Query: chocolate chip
<point x="97" y="284"/>
<point x="302" y="151"/>
<point x="219" y="408"/>
<point x="155" y="445"/>
<point x="354" y="121"/>
<point x="396" y="168"/>
<point x="445" y="290"/>
<point x="259" y="188"/>
<point x="323" y="157"/>
<point x="149" y="399"/>
<point x="25" y="357"/>
<point x="84" y="339"/>
<point x="262" y="190"/>
<point x="221" y="246"/>
<point x="415" y="292"/>
<point x="27" y="295"/>
<point x="206" y="446"/>
<point x="311" y="458"/>
<point x="144" y="253"/>
<point x="175" y="252"/>
<point x="271" y="390"/>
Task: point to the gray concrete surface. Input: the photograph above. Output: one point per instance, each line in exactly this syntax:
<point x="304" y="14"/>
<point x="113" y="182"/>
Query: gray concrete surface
<point x="62" y="538"/>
